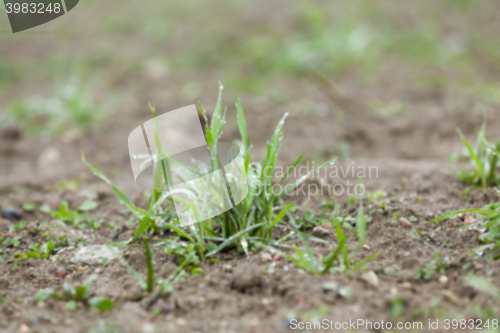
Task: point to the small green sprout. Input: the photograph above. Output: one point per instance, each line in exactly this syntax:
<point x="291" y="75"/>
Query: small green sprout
<point x="436" y="265"/>
<point x="44" y="253"/>
<point x="80" y="294"/>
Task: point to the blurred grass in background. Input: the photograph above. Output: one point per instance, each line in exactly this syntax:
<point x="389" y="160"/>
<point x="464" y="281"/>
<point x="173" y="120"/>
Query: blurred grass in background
<point x="101" y="52"/>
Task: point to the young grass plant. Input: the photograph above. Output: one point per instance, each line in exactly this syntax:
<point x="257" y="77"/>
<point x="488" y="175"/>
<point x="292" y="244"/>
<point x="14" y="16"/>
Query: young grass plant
<point x="305" y="259"/>
<point x="246" y="224"/>
<point x="485" y="158"/>
<point x="74" y="295"/>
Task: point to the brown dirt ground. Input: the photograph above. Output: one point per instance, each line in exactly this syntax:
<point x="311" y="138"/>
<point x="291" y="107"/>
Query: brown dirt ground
<point x="410" y="152"/>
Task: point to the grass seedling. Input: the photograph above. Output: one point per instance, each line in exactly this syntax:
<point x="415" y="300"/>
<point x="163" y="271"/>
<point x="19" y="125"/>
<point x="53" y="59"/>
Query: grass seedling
<point x="74" y="295"/>
<point x="484" y="157"/>
<point x="44" y="253"/>
<point x="490" y="222"/>
<point x="247" y="223"/>
<point x="304" y="258"/>
<point x="436" y="265"/>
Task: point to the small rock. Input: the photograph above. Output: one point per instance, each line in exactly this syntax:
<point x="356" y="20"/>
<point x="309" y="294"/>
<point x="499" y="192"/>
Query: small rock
<point x="468" y="220"/>
<point x="320" y="232"/>
<point x="267" y="301"/>
<point x="24" y="328"/>
<point x="366" y="247"/>
<point x="181" y="322"/>
<point x="133" y="295"/>
<point x="443" y="279"/>
<point x="246" y="277"/>
<point x="164" y="307"/>
<point x="407" y="285"/>
<point x="277" y="257"/>
<point x="404" y="222"/>
<point x="11" y="214"/>
<point x="81" y="269"/>
<point x="265" y="257"/>
<point x="49" y="160"/>
<point x="327" y="226"/>
<point x="227" y="268"/>
<point x="450" y="296"/>
<point x="371" y="278"/>
<point x="59" y="273"/>
<point x="93" y="254"/>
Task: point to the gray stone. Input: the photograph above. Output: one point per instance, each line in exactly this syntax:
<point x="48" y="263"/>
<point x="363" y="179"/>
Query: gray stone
<point x="93" y="255"/>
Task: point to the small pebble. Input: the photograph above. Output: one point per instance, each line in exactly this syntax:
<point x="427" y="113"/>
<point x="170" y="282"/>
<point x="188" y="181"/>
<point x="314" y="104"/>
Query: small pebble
<point x="366" y="247"/>
<point x="277" y="257"/>
<point x="227" y="268"/>
<point x="404" y="222"/>
<point x="181" y="322"/>
<point x="265" y="257"/>
<point x="81" y="269"/>
<point x="468" y="220"/>
<point x="450" y="296"/>
<point x="407" y="285"/>
<point x="59" y="273"/>
<point x="327" y="226"/>
<point x="24" y="329"/>
<point x="371" y="278"/>
<point x="11" y="214"/>
<point x="320" y="232"/>
<point x="443" y="279"/>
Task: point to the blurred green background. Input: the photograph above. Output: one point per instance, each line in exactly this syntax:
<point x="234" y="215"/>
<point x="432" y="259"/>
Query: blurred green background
<point x="106" y="56"/>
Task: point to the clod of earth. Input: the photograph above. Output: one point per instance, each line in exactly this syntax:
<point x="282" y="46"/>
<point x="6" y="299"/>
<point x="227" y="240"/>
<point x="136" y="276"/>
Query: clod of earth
<point x="246" y="276"/>
<point x="11" y="214"/>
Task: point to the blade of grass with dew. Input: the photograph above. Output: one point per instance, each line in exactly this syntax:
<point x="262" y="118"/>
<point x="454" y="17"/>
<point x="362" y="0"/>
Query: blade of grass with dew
<point x="234" y="237"/>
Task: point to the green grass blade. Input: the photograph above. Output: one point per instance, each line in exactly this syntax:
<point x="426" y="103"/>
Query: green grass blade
<point x="143" y="226"/>
<point x="281" y="214"/>
<point x="292" y="167"/>
<point x="180" y="232"/>
<point x="361" y="224"/>
<point x="234" y="237"/>
<point x="217" y="120"/>
<point x="149" y="265"/>
<point x="121" y="196"/>
<point x="462" y="211"/>
<point x="362" y="262"/>
<point x="242" y="124"/>
<point x="477" y="161"/>
<point x="330" y="259"/>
